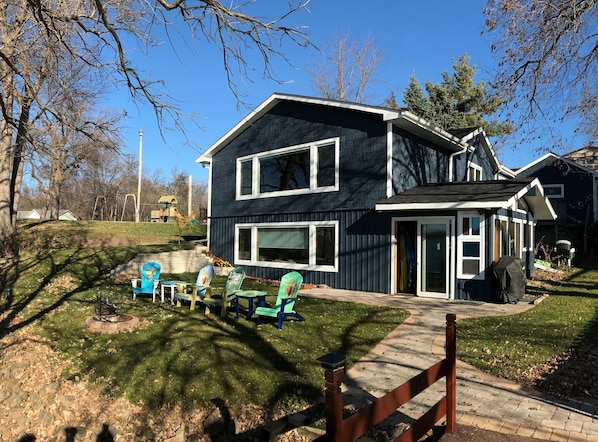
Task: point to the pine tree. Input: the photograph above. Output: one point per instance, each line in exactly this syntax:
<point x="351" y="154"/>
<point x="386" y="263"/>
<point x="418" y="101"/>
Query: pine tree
<point x="415" y="100"/>
<point x="457" y="102"/>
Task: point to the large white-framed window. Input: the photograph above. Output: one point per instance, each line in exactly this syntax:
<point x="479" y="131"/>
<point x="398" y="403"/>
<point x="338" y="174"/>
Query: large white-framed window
<point x="474" y="172"/>
<point x="470" y="245"/>
<point x="305" y="168"/>
<point x="299" y="246"/>
<point x="554" y="190"/>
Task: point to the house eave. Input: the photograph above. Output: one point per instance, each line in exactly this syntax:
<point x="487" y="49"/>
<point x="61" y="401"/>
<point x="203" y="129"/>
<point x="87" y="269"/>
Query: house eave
<point x="456" y="205"/>
<point x="400" y="118"/>
<point x="273" y="100"/>
<point x="428" y="131"/>
<point x="529" y="196"/>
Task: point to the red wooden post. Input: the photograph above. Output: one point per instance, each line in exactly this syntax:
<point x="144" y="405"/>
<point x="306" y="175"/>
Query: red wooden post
<point x="334" y="366"/>
<point x="451" y="373"/>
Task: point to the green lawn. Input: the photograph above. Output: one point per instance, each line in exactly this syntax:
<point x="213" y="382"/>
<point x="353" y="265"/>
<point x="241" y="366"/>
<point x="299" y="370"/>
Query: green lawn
<point x="553" y="346"/>
<point x="178" y="355"/>
<point x="182" y="356"/>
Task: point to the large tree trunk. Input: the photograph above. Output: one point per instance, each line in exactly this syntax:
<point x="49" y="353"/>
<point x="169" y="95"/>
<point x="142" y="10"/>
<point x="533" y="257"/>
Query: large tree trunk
<point x="6" y="223"/>
<point x="17" y="159"/>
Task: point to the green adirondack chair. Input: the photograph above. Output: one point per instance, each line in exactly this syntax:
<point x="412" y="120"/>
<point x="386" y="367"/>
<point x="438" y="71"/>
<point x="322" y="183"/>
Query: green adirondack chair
<point x="223" y="299"/>
<point x="197" y="291"/>
<point x="290" y="283"/>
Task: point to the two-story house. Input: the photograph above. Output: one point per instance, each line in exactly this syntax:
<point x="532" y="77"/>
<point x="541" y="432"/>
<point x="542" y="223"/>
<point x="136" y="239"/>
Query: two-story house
<point x="366" y="198"/>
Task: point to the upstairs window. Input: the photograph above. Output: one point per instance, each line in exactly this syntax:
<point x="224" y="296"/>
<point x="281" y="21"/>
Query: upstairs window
<point x="474" y="172"/>
<point x="307" y="168"/>
<point x="554" y="190"/>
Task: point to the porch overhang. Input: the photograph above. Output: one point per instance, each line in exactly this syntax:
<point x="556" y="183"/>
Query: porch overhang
<point x="481" y="195"/>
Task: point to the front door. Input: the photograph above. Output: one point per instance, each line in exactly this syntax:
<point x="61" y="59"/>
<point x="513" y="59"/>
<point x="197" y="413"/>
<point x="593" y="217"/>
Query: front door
<point x="434" y="263"/>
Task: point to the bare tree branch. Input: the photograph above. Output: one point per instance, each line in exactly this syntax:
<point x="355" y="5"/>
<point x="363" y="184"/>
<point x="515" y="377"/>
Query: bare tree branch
<point x="547" y="59"/>
<point x="348" y="70"/>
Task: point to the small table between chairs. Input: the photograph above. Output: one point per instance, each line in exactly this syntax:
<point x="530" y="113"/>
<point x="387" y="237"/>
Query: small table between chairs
<point x="172" y="285"/>
<point x="250" y="295"/>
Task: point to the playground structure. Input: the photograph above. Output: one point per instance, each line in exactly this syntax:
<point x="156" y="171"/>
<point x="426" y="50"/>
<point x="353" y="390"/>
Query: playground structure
<point x="103" y="209"/>
<point x="167" y="210"/>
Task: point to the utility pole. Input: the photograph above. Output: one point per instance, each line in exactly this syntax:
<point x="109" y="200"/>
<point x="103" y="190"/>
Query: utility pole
<point x="189" y="196"/>
<point x="139" y="178"/>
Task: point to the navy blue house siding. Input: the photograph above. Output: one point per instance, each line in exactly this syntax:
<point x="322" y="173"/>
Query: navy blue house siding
<point x="363" y="255"/>
<point x="575" y="207"/>
<point x="362" y="159"/>
<point x="415" y="163"/>
<point x="477" y="156"/>
<point x="364" y="236"/>
<point x="394" y="169"/>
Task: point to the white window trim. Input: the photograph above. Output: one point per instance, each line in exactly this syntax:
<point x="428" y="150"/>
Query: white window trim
<point x="312" y="266"/>
<point x="461" y="238"/>
<point x="475" y="167"/>
<point x="561" y="187"/>
<point x="313" y="166"/>
<point x="522" y="246"/>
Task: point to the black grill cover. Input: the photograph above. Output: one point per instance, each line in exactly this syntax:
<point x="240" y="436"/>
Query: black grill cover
<point x="509" y="280"/>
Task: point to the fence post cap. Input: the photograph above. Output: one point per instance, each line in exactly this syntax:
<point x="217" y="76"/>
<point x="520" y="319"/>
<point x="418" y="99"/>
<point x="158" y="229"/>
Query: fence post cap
<point x="332" y="360"/>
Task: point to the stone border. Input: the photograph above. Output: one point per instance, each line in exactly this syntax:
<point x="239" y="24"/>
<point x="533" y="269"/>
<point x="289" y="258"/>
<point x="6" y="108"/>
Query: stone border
<point x="96" y="326"/>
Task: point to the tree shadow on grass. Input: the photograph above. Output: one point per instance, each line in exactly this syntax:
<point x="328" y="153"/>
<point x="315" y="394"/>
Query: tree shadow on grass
<point x="129" y="358"/>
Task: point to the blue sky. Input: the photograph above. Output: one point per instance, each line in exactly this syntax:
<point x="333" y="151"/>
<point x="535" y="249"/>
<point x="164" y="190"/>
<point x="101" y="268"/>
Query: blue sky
<point x="420" y="37"/>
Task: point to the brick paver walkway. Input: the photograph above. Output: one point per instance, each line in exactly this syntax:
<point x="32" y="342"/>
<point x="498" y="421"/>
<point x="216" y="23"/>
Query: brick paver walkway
<point x="483" y="400"/>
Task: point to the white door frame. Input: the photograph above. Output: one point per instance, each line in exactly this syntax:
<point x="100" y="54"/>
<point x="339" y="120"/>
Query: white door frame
<point x="449" y="221"/>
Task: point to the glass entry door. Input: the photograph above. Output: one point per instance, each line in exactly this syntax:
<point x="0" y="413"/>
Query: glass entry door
<point x="434" y="252"/>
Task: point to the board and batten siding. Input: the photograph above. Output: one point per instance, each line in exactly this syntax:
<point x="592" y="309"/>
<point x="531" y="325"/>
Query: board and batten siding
<point x="362" y="162"/>
<point x="363" y="249"/>
<point x="415" y="162"/>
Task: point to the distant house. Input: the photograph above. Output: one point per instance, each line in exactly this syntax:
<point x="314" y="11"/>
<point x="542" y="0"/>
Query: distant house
<point x="366" y="198"/>
<point x="63" y="215"/>
<point x="573" y="192"/>
<point x="586" y="156"/>
<point x="571" y="187"/>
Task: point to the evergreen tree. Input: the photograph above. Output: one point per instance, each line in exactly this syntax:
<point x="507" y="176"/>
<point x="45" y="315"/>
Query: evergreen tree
<point x="415" y="100"/>
<point x="457" y="102"/>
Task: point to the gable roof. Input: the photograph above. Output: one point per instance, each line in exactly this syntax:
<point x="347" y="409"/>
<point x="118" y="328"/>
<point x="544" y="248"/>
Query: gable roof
<point x="547" y="160"/>
<point x="63" y="214"/>
<point x="474" y="195"/>
<point x="399" y="117"/>
<point x="590" y="149"/>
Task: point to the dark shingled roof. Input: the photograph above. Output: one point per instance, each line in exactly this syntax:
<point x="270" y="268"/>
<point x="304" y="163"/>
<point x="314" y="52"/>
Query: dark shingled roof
<point x="468" y="191"/>
<point x="473" y="195"/>
<point x="461" y="132"/>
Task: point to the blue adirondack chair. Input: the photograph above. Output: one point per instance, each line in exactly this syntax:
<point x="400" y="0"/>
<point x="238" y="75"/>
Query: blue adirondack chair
<point x="148" y="283"/>
<point x="223" y="299"/>
<point x="290" y="283"/>
<point x="198" y="291"/>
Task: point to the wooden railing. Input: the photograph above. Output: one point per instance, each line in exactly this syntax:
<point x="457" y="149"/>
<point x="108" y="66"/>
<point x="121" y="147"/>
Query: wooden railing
<point x="339" y="429"/>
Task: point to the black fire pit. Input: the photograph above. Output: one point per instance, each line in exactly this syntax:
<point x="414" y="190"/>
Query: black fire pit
<point x="107" y="319"/>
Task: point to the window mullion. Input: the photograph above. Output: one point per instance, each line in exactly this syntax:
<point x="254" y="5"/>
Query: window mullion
<point x="313" y="167"/>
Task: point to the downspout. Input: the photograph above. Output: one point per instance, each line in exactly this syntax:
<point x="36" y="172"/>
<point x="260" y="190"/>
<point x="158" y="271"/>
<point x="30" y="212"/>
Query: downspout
<point x="389" y="160"/>
<point x="451" y="159"/>
<point x="209" y="208"/>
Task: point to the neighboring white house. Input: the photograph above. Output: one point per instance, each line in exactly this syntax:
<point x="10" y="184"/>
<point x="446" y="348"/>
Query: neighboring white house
<point x="63" y="215"/>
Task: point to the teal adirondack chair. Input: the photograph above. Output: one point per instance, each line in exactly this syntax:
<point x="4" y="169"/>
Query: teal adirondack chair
<point x="223" y="299"/>
<point x="290" y="283"/>
<point x="199" y="290"/>
<point x="148" y="283"/>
